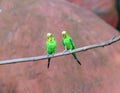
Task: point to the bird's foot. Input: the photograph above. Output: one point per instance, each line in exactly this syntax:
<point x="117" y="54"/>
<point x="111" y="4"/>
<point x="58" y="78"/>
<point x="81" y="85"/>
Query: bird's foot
<point x="70" y="51"/>
<point x="50" y="55"/>
<point x="65" y="51"/>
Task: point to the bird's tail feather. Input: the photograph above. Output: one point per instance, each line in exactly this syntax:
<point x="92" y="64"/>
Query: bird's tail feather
<point x="79" y="62"/>
<point x="75" y="57"/>
<point x="49" y="62"/>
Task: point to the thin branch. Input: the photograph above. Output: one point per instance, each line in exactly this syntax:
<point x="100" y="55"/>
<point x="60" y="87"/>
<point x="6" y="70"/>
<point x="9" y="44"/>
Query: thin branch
<point x="28" y="59"/>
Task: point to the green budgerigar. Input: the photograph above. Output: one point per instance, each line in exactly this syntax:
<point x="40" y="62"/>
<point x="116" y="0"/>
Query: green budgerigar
<point x="68" y="44"/>
<point x="50" y="46"/>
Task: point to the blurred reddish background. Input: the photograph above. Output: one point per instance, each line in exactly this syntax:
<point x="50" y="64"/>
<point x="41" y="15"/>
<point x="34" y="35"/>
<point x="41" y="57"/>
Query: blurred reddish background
<point x="106" y="9"/>
<point x="23" y="28"/>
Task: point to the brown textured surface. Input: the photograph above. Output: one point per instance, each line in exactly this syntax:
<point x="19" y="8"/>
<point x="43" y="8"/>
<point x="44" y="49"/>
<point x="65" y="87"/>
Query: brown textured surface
<point x="105" y="9"/>
<point x="23" y="28"/>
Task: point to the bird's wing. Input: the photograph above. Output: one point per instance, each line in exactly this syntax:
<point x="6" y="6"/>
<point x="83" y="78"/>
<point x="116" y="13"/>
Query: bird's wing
<point x="72" y="43"/>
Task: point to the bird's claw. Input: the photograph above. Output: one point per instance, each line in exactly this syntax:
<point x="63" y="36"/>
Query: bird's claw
<point x="70" y="50"/>
<point x="65" y="51"/>
<point x="50" y="55"/>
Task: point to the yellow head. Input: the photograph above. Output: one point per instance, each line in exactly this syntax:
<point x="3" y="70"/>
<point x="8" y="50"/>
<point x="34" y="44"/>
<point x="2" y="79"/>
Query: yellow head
<point x="49" y="36"/>
<point x="64" y="34"/>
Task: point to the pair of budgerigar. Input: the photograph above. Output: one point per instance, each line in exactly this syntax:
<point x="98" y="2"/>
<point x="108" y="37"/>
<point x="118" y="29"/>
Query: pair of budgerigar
<point x="51" y="45"/>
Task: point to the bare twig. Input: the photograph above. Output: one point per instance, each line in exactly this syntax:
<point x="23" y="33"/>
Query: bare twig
<point x="28" y="59"/>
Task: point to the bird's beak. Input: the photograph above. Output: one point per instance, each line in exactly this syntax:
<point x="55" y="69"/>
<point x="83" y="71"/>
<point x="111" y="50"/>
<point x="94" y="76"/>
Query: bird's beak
<point x="64" y="35"/>
<point x="49" y="38"/>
